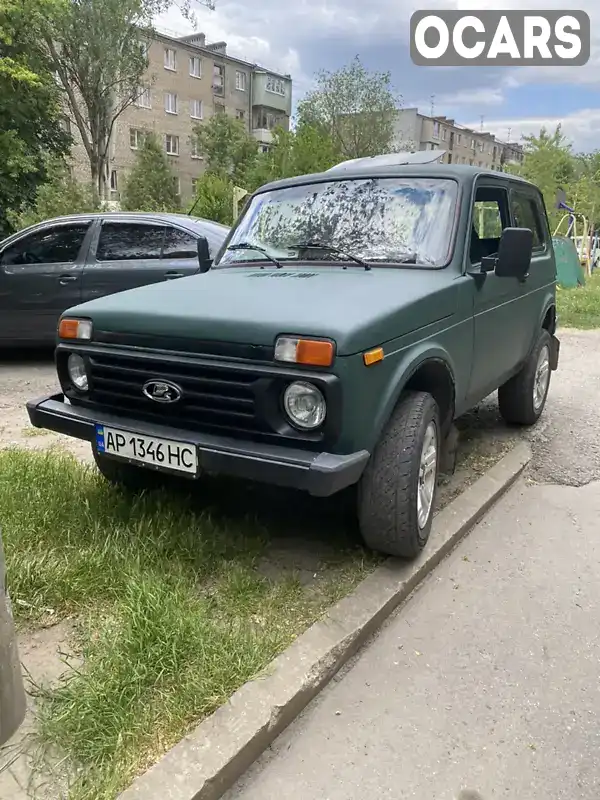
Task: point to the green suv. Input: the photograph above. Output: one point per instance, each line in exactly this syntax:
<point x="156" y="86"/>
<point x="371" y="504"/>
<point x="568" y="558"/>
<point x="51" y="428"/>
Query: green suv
<point x="348" y="318"/>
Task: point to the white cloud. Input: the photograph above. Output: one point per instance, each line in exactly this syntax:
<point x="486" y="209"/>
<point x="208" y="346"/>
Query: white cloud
<point x="579" y="128"/>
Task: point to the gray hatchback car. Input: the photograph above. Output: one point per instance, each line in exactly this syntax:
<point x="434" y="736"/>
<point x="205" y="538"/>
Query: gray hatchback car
<point x="12" y="691"/>
<point x="59" y="263"/>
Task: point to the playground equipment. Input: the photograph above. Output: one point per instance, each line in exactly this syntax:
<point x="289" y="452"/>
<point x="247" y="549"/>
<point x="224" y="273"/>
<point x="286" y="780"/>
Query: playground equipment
<point x="583" y="237"/>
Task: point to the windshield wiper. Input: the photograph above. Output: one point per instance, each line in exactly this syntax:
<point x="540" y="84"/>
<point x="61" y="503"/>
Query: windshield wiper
<point x="331" y="249"/>
<point x="248" y="246"/>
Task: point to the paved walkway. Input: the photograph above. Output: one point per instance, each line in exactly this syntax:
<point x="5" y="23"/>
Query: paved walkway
<point x="486" y="680"/>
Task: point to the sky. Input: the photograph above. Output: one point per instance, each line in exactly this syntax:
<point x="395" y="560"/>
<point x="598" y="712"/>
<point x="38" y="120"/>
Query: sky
<point x="303" y="37"/>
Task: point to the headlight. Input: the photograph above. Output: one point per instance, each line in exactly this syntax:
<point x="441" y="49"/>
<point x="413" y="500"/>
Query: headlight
<point x="305" y="405"/>
<point x="77" y="372"/>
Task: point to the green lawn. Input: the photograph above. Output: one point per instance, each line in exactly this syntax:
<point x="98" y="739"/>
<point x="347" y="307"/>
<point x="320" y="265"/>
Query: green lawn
<point x="174" y="610"/>
<point x="580" y="308"/>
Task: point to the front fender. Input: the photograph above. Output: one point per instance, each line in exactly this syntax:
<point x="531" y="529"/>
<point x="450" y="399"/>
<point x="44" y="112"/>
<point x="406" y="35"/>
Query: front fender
<point x="408" y="363"/>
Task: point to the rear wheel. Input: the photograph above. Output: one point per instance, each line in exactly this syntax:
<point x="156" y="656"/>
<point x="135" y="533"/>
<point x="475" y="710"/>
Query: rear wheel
<point x="521" y="400"/>
<point x="125" y="475"/>
<point x="396" y="494"/>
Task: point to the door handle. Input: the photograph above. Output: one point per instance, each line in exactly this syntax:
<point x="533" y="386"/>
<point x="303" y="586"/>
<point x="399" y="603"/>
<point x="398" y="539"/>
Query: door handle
<point x="64" y="279"/>
<point x="172" y="274"/>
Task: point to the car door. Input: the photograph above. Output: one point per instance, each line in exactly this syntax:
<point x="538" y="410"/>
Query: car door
<point x="124" y="255"/>
<point x="180" y="253"/>
<point x="40" y="277"/>
<point x="500" y="337"/>
<point x="527" y="211"/>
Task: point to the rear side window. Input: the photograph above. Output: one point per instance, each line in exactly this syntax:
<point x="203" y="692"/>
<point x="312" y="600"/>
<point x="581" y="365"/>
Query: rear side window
<point x="50" y="246"/>
<point x="179" y="244"/>
<point x="526" y="214"/>
<point x="130" y="242"/>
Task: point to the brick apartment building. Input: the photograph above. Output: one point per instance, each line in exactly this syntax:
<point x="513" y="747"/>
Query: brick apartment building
<point x="463" y="145"/>
<point x="188" y="81"/>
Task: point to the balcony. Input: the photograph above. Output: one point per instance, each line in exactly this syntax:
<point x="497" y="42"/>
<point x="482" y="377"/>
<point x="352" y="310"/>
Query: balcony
<point x="263" y="135"/>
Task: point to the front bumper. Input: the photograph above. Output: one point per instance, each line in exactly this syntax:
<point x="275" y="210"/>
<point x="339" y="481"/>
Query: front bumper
<point x="320" y="474"/>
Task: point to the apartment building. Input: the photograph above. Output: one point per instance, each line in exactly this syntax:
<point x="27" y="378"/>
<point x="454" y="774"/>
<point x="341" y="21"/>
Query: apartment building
<point x="187" y="81"/>
<point x="416" y="131"/>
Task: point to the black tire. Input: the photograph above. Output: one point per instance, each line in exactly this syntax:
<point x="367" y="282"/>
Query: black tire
<point x="388" y="489"/>
<point x="126" y="476"/>
<point x="516" y="399"/>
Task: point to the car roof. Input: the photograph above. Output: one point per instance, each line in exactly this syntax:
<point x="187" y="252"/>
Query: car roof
<point x="463" y="173"/>
<point x="193" y="224"/>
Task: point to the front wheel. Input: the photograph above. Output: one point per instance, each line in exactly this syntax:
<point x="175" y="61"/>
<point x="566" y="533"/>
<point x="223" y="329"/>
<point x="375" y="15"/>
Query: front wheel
<point x="396" y="494"/>
<point x="521" y="400"/>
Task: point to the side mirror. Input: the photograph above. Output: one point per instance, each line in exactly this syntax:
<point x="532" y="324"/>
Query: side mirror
<point x="514" y="254"/>
<point x="204" y="259"/>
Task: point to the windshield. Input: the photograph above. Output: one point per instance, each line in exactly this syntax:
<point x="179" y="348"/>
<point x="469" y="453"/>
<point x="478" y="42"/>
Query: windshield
<point x="374" y="219"/>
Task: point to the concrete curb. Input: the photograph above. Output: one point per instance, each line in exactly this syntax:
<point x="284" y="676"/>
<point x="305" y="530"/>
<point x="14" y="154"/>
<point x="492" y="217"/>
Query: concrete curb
<point x="207" y="762"/>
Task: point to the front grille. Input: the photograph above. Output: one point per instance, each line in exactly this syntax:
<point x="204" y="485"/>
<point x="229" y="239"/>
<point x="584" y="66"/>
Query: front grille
<point x="212" y="399"/>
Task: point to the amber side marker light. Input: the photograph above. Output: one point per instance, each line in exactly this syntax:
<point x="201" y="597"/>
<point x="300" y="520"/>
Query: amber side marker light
<point x="373" y="356"/>
<point x="312" y="352"/>
<point x="75" y="329"/>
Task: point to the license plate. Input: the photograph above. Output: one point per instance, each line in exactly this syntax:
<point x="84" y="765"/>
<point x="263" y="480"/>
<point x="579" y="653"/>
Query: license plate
<point x="162" y="453"/>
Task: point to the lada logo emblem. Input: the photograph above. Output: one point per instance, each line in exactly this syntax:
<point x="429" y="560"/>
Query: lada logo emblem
<point x="162" y="391"/>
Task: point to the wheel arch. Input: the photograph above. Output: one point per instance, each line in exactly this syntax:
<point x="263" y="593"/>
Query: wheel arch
<point x="428" y="370"/>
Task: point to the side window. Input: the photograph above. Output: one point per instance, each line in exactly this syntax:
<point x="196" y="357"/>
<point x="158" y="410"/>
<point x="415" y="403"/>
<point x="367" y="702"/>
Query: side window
<point x="179" y="244"/>
<point x="490" y="217"/>
<point x="50" y="246"/>
<point x="129" y="242"/>
<point x="526" y="215"/>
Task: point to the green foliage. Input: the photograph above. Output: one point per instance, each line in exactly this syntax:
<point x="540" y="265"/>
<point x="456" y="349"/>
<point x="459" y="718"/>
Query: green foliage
<point x="355" y="107"/>
<point x="227" y="148"/>
<point x="214" y="198"/>
<point x="29" y="110"/>
<point x="151" y="184"/>
<point x="60" y="195"/>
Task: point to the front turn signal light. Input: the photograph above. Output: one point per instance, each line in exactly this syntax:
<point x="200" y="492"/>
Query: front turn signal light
<point x="311" y="352"/>
<point x="69" y="328"/>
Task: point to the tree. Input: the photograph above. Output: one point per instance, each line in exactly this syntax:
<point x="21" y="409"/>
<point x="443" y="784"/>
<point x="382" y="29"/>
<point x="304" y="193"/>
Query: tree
<point x="227" y="147"/>
<point x="151" y="184"/>
<point x="29" y="110"/>
<point x="59" y="195"/>
<point x="214" y="198"/>
<point x="98" y="49"/>
<point x="355" y="107"/>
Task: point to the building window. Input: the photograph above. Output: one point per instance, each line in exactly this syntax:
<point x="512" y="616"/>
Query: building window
<point x="113" y="180"/>
<point x="143" y="98"/>
<point x="436" y="130"/>
<point x="472" y="144"/>
<point x="219" y="80"/>
<point x="194" y="148"/>
<point x="136" y="138"/>
<point x="196" y="109"/>
<point x="266" y="120"/>
<point x="458" y="138"/>
<point x="195" y="67"/>
<point x="275" y="85"/>
<point x="240" y="81"/>
<point x="194" y="186"/>
<point x="444" y="132"/>
<point x="170" y="59"/>
<point x="170" y="103"/>
<point x="239" y="114"/>
<point x="177" y="184"/>
<point x="219" y="108"/>
<point x="172" y="144"/>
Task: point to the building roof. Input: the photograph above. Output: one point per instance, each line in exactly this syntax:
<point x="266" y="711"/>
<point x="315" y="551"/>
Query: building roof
<point x="208" y="49"/>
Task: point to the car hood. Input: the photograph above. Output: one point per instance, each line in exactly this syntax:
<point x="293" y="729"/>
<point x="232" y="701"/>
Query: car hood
<point x="354" y="307"/>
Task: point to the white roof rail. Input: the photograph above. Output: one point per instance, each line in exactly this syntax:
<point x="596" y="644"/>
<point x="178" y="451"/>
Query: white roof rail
<point x="389" y="160"/>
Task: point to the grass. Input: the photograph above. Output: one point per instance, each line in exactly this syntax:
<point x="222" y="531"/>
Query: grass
<point x="580" y="308"/>
<point x="173" y="610"/>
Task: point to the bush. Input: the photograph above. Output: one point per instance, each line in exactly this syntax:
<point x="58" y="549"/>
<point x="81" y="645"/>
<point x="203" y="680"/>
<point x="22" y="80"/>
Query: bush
<point x="214" y="198"/>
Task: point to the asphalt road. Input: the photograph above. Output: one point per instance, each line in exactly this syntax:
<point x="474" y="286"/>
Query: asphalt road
<point x="487" y="678"/>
